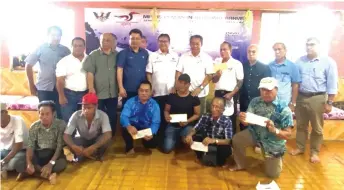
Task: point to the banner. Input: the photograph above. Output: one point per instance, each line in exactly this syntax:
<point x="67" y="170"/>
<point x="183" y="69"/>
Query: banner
<point x="215" y="27"/>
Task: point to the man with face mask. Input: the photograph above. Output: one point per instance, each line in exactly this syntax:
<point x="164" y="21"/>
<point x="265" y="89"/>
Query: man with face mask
<point x="47" y="55"/>
<point x="318" y="88"/>
<point x="287" y="75"/>
<point x="272" y="137"/>
<point x="100" y="66"/>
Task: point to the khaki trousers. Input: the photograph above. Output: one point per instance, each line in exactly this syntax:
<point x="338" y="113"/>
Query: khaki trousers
<point x="243" y="140"/>
<point x="310" y="109"/>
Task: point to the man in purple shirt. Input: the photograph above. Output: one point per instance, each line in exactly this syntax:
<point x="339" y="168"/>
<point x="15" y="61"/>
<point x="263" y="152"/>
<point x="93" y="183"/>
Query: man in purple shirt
<point x="316" y="94"/>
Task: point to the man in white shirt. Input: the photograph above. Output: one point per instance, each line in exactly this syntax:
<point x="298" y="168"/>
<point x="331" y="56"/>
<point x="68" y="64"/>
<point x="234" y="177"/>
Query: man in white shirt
<point x="144" y="44"/>
<point x="199" y="66"/>
<point x="159" y="67"/>
<point x="71" y="79"/>
<point x="228" y="80"/>
<point x="13" y="141"/>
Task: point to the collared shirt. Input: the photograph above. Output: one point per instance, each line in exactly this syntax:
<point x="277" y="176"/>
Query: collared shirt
<point x="47" y="57"/>
<point x="100" y="124"/>
<point x="220" y="129"/>
<point x="141" y="116"/>
<point x="134" y="67"/>
<point x="14" y="132"/>
<point x="50" y="138"/>
<point x="162" y="66"/>
<point x="75" y="75"/>
<point x="229" y="77"/>
<point x="286" y="73"/>
<point x="278" y="112"/>
<point x="197" y="67"/>
<point x="318" y="75"/>
<point x="103" y="67"/>
<point x="252" y="76"/>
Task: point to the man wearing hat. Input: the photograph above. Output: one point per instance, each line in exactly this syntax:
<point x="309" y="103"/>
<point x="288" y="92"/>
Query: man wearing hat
<point x="13" y="141"/>
<point x="88" y="132"/>
<point x="272" y="137"/>
<point x="182" y="102"/>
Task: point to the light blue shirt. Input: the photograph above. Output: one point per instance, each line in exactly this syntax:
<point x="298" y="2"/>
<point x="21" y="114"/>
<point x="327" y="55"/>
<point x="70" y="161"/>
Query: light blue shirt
<point x="318" y="75"/>
<point x="286" y="73"/>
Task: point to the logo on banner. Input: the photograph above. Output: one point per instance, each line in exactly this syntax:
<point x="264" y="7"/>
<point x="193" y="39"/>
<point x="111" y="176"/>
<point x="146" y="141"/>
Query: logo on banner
<point x="126" y="19"/>
<point x="102" y="17"/>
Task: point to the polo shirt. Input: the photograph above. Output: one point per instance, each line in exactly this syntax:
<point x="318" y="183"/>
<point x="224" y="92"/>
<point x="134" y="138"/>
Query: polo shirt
<point x="162" y="67"/>
<point x="47" y="57"/>
<point x="14" y="132"/>
<point x="197" y="67"/>
<point x="134" y="67"/>
<point x="103" y="67"/>
<point x="229" y="77"/>
<point x="100" y="124"/>
<point x="75" y="76"/>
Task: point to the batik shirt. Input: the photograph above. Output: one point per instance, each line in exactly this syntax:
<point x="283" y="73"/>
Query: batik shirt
<point x="278" y="112"/>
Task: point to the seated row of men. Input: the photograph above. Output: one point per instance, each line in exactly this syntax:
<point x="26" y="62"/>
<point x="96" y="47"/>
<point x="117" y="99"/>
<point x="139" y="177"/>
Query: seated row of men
<point x="39" y="150"/>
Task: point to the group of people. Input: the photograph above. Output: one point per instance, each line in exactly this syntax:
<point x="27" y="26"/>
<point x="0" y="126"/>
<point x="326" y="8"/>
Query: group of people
<point x="79" y="96"/>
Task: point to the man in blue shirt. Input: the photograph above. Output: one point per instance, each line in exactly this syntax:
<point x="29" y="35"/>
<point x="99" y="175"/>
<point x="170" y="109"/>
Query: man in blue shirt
<point x="287" y="75"/>
<point x="140" y="112"/>
<point x="131" y="66"/>
<point x="316" y="94"/>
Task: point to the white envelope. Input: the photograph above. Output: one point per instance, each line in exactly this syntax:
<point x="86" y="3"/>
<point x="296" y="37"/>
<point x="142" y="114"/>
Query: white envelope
<point x="176" y="118"/>
<point x="255" y="119"/>
<point x="199" y="146"/>
<point x="271" y="186"/>
<point x="142" y="133"/>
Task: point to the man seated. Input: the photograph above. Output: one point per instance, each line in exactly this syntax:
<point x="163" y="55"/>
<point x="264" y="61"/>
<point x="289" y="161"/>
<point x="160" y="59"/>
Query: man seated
<point x="13" y="141"/>
<point x="140" y="112"/>
<point x="182" y="102"/>
<point x="272" y="137"/>
<point x="215" y="131"/>
<point x="44" y="154"/>
<point x="88" y="132"/>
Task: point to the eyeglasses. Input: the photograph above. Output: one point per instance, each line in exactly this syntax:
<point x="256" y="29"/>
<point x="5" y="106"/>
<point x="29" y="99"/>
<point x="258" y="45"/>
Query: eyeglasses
<point x="163" y="41"/>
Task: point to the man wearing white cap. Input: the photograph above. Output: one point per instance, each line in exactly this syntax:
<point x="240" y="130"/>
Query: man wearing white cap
<point x="272" y="137"/>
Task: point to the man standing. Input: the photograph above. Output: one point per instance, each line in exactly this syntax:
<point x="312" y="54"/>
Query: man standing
<point x="100" y="66"/>
<point x="88" y="132"/>
<point x="272" y="137"/>
<point x="287" y="75"/>
<point x="71" y="79"/>
<point x="47" y="55"/>
<point x="140" y="112"/>
<point x="214" y="130"/>
<point x="144" y="44"/>
<point x="228" y="81"/>
<point x="254" y="71"/>
<point x="199" y="66"/>
<point x="13" y="141"/>
<point x="131" y="66"/>
<point x="317" y="91"/>
<point x="158" y="70"/>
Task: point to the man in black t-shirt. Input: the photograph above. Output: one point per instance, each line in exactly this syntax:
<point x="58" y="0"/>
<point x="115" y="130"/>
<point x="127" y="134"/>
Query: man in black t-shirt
<point x="182" y="102"/>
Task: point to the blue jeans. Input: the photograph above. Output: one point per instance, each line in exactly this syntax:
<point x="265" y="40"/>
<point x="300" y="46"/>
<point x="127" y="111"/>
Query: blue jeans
<point x="73" y="98"/>
<point x="173" y="135"/>
<point x="50" y="95"/>
<point x="109" y="106"/>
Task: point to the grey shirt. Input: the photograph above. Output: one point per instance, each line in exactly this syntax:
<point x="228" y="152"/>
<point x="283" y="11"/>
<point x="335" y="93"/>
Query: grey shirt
<point x="103" y="67"/>
<point x="47" y="58"/>
<point x="99" y="125"/>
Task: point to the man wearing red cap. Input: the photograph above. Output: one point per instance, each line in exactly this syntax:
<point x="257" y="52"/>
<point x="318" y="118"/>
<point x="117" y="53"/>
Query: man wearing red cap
<point x="88" y="132"/>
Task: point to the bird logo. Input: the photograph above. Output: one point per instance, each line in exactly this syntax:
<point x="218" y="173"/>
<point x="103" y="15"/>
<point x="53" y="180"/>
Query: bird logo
<point x="102" y="17"/>
<point x="128" y="17"/>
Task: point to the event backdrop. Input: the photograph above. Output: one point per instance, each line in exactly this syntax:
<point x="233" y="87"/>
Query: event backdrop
<point x="215" y="27"/>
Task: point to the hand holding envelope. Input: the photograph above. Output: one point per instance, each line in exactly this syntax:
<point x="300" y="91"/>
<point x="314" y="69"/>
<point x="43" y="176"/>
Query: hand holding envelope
<point x="256" y="119"/>
<point x="199" y="146"/>
<point x="176" y="118"/>
<point x="142" y="133"/>
<point x="218" y="67"/>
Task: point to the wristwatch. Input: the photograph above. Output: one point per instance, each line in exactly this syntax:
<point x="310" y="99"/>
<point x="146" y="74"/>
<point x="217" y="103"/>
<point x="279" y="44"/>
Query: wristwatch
<point x="216" y="141"/>
<point x="52" y="162"/>
<point x="277" y="131"/>
<point x="291" y="103"/>
<point x="329" y="102"/>
<point x="201" y="87"/>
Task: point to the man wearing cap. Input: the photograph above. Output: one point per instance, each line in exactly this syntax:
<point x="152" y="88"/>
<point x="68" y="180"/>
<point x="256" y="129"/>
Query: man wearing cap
<point x="182" y="102"/>
<point x="88" y="132"/>
<point x="140" y="112"/>
<point x="272" y="137"/>
<point x="13" y="141"/>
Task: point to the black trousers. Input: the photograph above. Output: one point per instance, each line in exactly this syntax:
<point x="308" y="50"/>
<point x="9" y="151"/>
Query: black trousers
<point x="109" y="106"/>
<point x="129" y="141"/>
<point x="221" y="93"/>
<point x="42" y="157"/>
<point x="222" y="151"/>
<point x="161" y="100"/>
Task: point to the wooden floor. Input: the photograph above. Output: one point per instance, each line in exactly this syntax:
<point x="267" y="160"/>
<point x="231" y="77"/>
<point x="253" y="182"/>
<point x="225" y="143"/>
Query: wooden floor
<point x="154" y="170"/>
